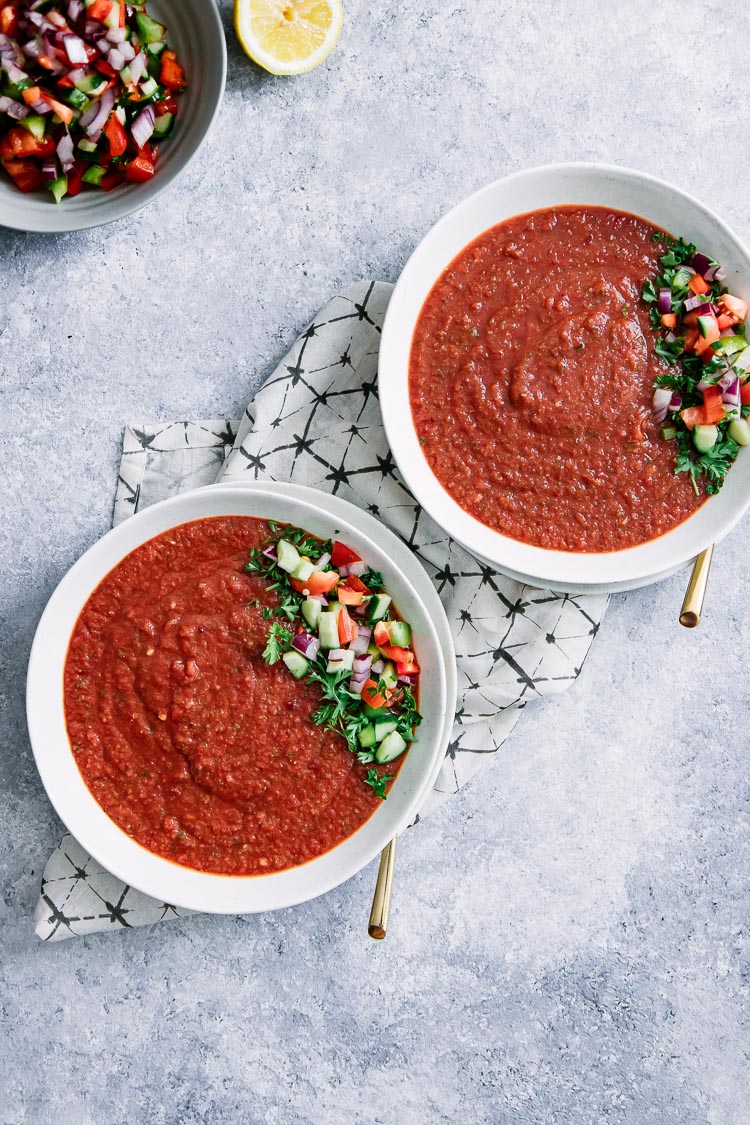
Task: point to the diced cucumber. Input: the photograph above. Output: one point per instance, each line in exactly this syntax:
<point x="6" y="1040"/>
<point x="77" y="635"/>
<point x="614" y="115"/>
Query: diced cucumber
<point x="372" y="712"/>
<point x="155" y="48"/>
<point x="296" y="663"/>
<point x="303" y="570"/>
<point x="343" y="661"/>
<point x="149" y="87"/>
<point x="392" y="746"/>
<point x="383" y="726"/>
<point x="91" y="84"/>
<point x="328" y="630"/>
<point x="35" y="124"/>
<point x="163" y="125"/>
<point x="379" y="607"/>
<point x="669" y="433"/>
<point x="86" y="145"/>
<point x="388" y="675"/>
<point x="705" y="324"/>
<point x="94" y="175"/>
<point x="287" y="556"/>
<point x="739" y="431"/>
<point x="743" y="360"/>
<point x="59" y="188"/>
<point x="704" y="438"/>
<point x="77" y="99"/>
<point x="374" y="651"/>
<point x="729" y="345"/>
<point x="113" y="19"/>
<point x="149" y="31"/>
<point x="311" y="610"/>
<point x="399" y="633"/>
<point x="681" y="278"/>
<point x="367" y="736"/>
<point x="126" y="76"/>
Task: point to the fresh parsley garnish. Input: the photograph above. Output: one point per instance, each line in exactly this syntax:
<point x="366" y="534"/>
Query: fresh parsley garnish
<point x="378" y="782"/>
<point x="278" y="642"/>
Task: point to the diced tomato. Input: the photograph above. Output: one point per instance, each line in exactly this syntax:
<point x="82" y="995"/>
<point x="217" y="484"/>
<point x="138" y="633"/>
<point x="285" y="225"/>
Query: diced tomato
<point x="698" y="284"/>
<point x="25" y="174"/>
<point x="693" y="416"/>
<point x="357" y="584"/>
<point x="381" y="634"/>
<point x="111" y="180"/>
<point x="725" y="321"/>
<point x="172" y="74"/>
<point x="350" y="597"/>
<point x="691" y="337"/>
<point x="341" y="555"/>
<point x="713" y="407"/>
<point x="99" y="10"/>
<point x="745" y="394"/>
<point x="371" y="696"/>
<point x="167" y="104"/>
<point x="8" y="20"/>
<point x="407" y="667"/>
<point x="104" y="68"/>
<point x="75" y="178"/>
<point x="64" y="112"/>
<point x="319" y="582"/>
<point x="139" y="170"/>
<point x="669" y="320"/>
<point x="347" y="628"/>
<point x="734" y="307"/>
<point x="115" y="133"/>
<point x="395" y="652"/>
<point x="31" y="94"/>
<point x="66" y="82"/>
<point x="19" y="143"/>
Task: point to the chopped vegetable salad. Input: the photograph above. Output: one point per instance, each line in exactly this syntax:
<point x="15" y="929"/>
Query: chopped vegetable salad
<point x="88" y="89"/>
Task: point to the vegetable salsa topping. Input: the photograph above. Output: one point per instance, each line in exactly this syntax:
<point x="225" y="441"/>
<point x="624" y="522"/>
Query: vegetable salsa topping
<point x="184" y="719"/>
<point x="703" y="400"/>
<point x="342" y="633"/>
<point x="87" y="91"/>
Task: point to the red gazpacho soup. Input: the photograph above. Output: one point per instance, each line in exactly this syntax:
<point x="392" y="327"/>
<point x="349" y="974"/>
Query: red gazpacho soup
<point x="189" y="729"/>
<point x="531" y="379"/>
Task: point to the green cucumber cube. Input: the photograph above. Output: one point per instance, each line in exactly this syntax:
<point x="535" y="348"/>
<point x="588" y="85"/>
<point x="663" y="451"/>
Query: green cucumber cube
<point x="311" y="610"/>
<point x="704" y="438"/>
<point x="392" y="746"/>
<point x="297" y="664"/>
<point x="287" y="555"/>
<point x="367" y="737"/>
<point x="383" y="726"/>
<point x="379" y="607"/>
<point x="399" y="633"/>
<point x="328" y="630"/>
<point x="303" y="570"/>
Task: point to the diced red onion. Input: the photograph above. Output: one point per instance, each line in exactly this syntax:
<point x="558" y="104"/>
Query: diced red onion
<point x="662" y="399"/>
<point x="49" y="170"/>
<point x="65" y="151"/>
<point x="36" y="18"/>
<point x="409" y="679"/>
<point x="138" y="67"/>
<point x="32" y="49"/>
<point x="55" y="19"/>
<point x="359" y="644"/>
<point x="727" y="381"/>
<point x="700" y="263"/>
<point x="715" y="273"/>
<point x="693" y="302"/>
<point x="670" y="337"/>
<point x="704" y="384"/>
<point x="14" y="109"/>
<point x="362" y="664"/>
<point x="143" y="126"/>
<point x="357" y="569"/>
<point x="357" y="686"/>
<point x="117" y="35"/>
<point x="378" y="667"/>
<point x="15" y="74"/>
<point x="103" y="45"/>
<point x="308" y="644"/>
<point x="101" y="111"/>
<point x="664" y="302"/>
<point x="675" y="403"/>
<point x="323" y="562"/>
<point x="75" y="10"/>
<point x="92" y="28"/>
<point x="727" y="332"/>
<point x="127" y="50"/>
<point x="75" y="49"/>
<point x="116" y="59"/>
<point x="270" y="552"/>
<point x="41" y="107"/>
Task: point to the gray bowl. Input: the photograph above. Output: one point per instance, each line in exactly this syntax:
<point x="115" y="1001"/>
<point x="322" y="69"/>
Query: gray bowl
<point x="195" y="32"/>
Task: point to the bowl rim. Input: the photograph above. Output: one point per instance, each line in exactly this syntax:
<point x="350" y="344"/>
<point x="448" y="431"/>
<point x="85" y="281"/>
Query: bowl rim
<point x="110" y="846"/>
<point x="140" y="198"/>
<point x="634" y="566"/>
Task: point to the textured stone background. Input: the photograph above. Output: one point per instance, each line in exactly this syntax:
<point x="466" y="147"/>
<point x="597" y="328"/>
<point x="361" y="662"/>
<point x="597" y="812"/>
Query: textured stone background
<point x="570" y="935"/>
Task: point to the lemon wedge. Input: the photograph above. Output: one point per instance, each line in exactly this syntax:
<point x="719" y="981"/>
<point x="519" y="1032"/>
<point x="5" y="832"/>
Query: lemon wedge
<point x="288" y="36"/>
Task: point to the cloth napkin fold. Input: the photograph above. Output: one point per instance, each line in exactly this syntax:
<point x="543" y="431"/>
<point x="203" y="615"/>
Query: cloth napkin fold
<point x="316" y="421"/>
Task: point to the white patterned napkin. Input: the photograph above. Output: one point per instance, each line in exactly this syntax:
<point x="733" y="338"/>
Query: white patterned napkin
<point x="316" y="422"/>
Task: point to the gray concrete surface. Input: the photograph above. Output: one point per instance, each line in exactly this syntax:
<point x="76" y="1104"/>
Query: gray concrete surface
<point x="570" y="934"/>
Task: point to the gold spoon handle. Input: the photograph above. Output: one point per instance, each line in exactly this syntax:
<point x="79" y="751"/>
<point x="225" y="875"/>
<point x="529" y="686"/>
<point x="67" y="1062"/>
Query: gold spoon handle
<point x="692" y="607"/>
<point x="381" y="903"/>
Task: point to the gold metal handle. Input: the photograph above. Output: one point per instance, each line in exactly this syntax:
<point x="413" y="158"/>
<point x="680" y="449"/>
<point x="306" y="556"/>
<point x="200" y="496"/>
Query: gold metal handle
<point x="692" y="607"/>
<point x="381" y="903"/>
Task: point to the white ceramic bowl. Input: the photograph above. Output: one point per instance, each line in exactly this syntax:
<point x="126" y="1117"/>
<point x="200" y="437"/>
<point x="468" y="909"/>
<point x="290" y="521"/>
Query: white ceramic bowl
<point x="596" y="184"/>
<point x="118" y="852"/>
<point x="196" y="34"/>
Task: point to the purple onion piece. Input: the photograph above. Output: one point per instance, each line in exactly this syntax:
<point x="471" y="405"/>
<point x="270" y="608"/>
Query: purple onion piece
<point x="33" y="48"/>
<point x="365" y="631"/>
<point x="127" y="50"/>
<point x="270" y="552"/>
<point x="357" y="569"/>
<point x="41" y="107"/>
<point x="102" y="110"/>
<point x="65" y="150"/>
<point x="75" y="10"/>
<point x="700" y="263"/>
<point x="670" y="337"/>
<point x="323" y="562"/>
<point x="410" y="680"/>
<point x="117" y="35"/>
<point x="344" y="571"/>
<point x="675" y="403"/>
<point x="661" y="401"/>
<point x="49" y="170"/>
<point x="693" y="303"/>
<point x="664" y="302"/>
<point x="359" y="645"/>
<point x="726" y="382"/>
<point x="116" y="59"/>
<point x="362" y="663"/>
<point x="308" y="644"/>
<point x="138" y="67"/>
<point x="357" y="686"/>
<point x="14" y="109"/>
<point x="378" y="667"/>
<point x="143" y="126"/>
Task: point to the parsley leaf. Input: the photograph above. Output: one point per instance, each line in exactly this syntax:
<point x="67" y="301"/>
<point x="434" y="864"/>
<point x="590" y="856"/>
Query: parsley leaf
<point x="278" y="641"/>
<point x="378" y="783"/>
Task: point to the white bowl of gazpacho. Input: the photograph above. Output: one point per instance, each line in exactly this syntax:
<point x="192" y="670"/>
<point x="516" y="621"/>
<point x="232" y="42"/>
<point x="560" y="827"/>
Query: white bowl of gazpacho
<point x="565" y="376"/>
<point x="236" y="697"/>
